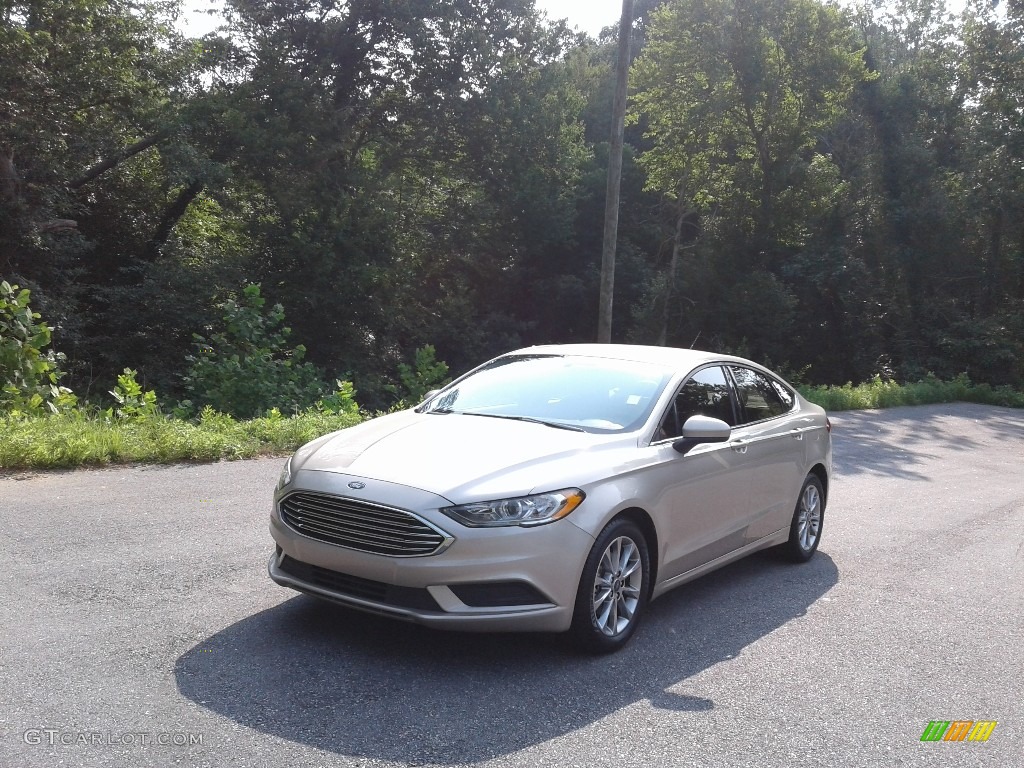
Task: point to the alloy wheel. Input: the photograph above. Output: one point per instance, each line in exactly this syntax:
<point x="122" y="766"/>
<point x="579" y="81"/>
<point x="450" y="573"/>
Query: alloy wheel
<point x="809" y="517"/>
<point x="617" y="586"/>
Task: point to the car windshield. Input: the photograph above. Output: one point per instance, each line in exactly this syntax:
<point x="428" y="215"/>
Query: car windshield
<point x="585" y="393"/>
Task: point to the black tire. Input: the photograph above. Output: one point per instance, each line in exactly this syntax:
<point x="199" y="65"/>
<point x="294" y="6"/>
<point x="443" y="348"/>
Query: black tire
<point x="808" y="522"/>
<point x="613" y="590"/>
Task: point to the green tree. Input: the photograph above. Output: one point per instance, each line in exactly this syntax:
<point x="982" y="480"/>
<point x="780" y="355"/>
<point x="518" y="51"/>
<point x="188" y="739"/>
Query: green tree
<point x="910" y="224"/>
<point x="989" y="186"/>
<point x="94" y="161"/>
<point x="410" y="163"/>
<point x="735" y="99"/>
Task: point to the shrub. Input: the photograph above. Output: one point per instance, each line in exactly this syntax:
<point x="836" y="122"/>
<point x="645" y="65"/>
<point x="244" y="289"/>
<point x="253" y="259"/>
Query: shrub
<point x="132" y="402"/>
<point x="426" y="373"/>
<point x="341" y="401"/>
<point x="29" y="375"/>
<point x="245" y="368"/>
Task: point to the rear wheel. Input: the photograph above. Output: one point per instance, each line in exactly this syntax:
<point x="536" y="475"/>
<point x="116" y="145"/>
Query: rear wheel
<point x="808" y="518"/>
<point x="613" y="589"/>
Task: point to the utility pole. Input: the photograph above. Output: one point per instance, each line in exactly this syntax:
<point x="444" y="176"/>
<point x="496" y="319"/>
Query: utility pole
<point x="611" y="203"/>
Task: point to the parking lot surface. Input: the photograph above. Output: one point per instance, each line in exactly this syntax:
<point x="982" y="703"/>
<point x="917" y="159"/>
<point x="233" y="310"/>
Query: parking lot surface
<point x="139" y="628"/>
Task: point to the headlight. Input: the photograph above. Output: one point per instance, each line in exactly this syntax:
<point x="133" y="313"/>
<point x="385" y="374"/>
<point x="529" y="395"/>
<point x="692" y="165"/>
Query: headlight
<point x="524" y="510"/>
<point x="286" y="474"/>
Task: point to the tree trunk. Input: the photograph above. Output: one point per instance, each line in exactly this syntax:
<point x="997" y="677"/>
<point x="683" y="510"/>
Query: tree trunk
<point x="673" y="268"/>
<point x="56" y="225"/>
<point x="171" y="217"/>
<point x="994" y="277"/>
<point x="10" y="184"/>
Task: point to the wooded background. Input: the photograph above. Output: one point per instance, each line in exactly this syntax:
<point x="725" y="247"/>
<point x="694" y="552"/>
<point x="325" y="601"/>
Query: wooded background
<point x="838" y="192"/>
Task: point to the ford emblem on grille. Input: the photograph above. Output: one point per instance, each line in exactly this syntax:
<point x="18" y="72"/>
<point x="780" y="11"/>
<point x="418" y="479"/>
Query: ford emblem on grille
<point x="357" y="486"/>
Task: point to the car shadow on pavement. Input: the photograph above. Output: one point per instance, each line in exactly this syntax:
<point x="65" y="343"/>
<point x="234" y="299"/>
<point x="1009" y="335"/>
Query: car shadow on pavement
<point x="369" y="687"/>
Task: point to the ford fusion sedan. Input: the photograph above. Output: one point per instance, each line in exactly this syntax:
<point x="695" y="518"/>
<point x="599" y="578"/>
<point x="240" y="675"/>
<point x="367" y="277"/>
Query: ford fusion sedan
<point x="555" y="488"/>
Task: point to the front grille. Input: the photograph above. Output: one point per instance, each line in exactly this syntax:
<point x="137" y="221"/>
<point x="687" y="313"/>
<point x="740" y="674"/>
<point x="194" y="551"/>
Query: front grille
<point x="358" y="525"/>
<point x="356" y="586"/>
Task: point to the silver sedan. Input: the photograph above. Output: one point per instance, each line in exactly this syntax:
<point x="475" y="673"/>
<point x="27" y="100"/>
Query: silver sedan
<point x="555" y="488"/>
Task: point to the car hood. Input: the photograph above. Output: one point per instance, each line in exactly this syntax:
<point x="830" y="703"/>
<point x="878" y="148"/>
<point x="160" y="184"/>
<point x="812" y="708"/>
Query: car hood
<point x="460" y="457"/>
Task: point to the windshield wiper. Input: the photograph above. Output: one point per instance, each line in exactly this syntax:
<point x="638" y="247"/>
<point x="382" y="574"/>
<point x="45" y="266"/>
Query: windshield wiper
<point x="555" y="424"/>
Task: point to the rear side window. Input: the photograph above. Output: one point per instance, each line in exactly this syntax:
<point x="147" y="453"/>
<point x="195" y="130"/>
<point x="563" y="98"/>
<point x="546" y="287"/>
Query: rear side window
<point x="760" y="397"/>
<point x="784" y="394"/>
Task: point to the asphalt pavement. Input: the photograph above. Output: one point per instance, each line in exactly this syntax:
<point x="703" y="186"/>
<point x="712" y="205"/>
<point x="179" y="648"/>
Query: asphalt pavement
<point x="138" y="627"/>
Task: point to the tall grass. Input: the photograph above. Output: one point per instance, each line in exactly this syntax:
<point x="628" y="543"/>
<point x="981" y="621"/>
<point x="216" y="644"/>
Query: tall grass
<point x="888" y="394"/>
<point x="77" y="439"/>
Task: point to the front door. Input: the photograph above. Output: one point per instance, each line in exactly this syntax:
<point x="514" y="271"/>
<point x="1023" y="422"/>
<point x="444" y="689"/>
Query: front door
<point x="704" y="509"/>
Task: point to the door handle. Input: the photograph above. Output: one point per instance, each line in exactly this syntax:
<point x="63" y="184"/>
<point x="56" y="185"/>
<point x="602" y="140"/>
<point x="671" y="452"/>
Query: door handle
<point x="798" y="434"/>
<point x="740" y="446"/>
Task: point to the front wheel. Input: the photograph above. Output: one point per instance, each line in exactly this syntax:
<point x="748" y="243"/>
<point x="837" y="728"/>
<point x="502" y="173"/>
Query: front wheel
<point x="613" y="588"/>
<point x="808" y="518"/>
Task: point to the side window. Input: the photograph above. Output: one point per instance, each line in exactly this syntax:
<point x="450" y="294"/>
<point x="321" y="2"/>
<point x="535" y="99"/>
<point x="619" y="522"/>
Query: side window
<point x="760" y="396"/>
<point x="705" y="393"/>
<point x="784" y="394"/>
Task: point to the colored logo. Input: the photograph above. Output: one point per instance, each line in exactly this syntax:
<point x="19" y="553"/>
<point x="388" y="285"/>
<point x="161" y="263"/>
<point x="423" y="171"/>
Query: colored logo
<point x="958" y="730"/>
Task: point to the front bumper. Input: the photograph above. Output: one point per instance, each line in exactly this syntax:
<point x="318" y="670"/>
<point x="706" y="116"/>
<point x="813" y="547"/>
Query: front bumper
<point x="488" y="579"/>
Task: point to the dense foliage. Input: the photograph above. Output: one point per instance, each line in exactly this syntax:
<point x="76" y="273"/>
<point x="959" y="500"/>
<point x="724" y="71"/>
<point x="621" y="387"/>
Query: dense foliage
<point x="835" y="191"/>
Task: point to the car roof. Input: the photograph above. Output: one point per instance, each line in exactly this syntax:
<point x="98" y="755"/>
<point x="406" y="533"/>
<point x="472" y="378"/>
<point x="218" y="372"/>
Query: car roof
<point x="669" y="356"/>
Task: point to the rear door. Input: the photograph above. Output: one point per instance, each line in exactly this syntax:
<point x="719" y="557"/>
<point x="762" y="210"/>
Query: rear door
<point x="771" y="435"/>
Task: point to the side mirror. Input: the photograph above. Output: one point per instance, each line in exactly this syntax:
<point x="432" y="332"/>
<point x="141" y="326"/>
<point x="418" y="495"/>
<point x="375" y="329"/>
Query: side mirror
<point x="702" y="429"/>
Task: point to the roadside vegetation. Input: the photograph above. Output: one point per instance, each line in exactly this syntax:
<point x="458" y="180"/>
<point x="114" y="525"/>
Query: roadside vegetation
<point x="84" y="439"/>
<point x="878" y="393"/>
<point x="239" y="371"/>
<point x="250" y="394"/>
<point x="88" y="436"/>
